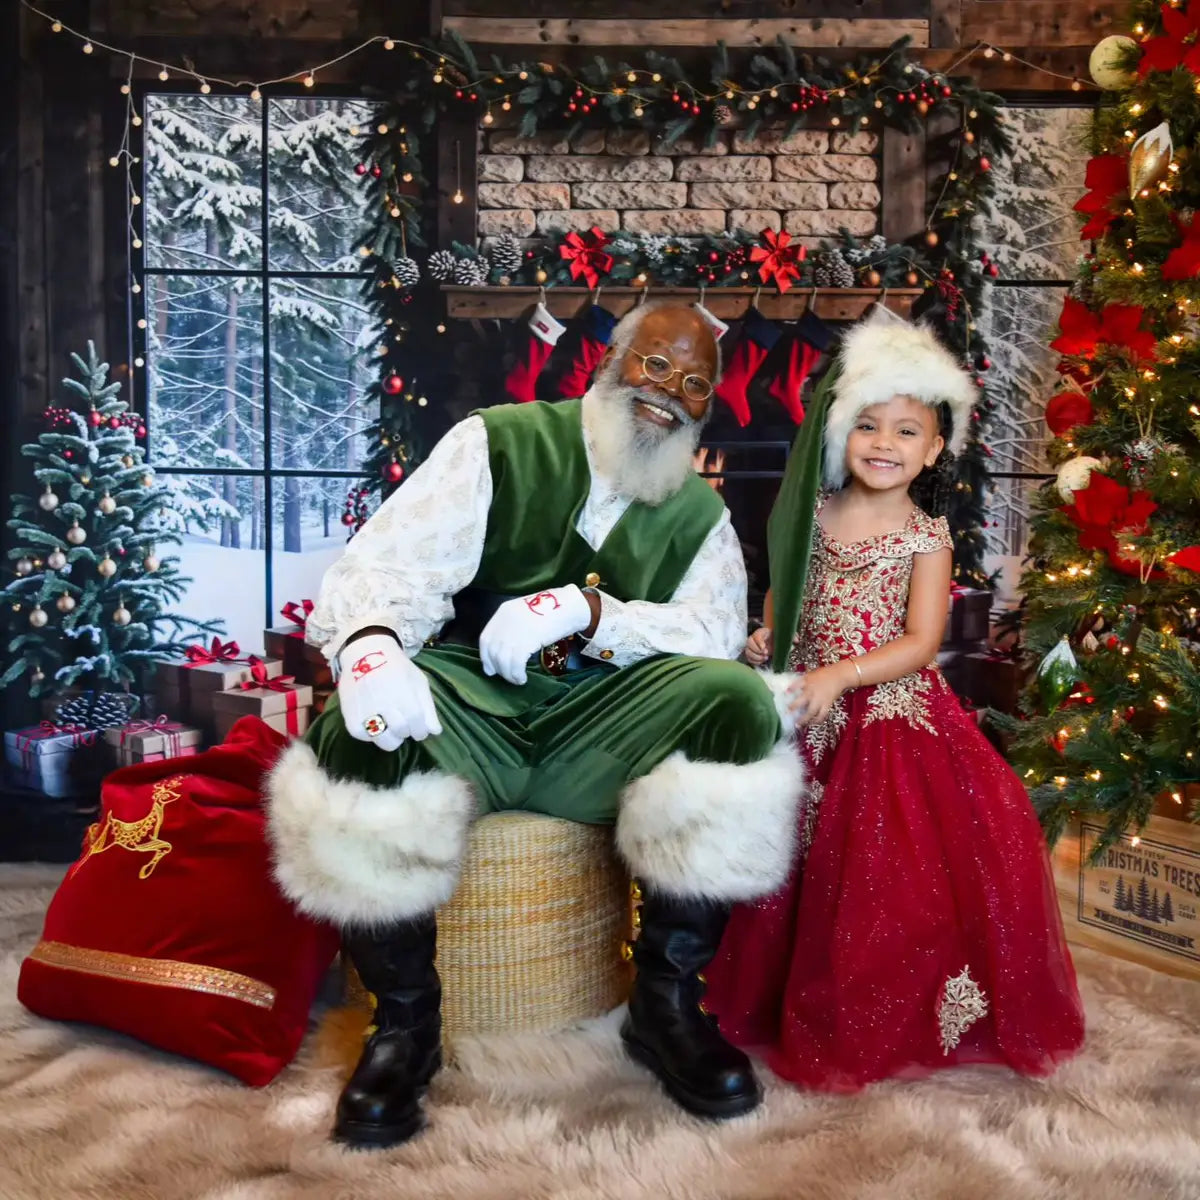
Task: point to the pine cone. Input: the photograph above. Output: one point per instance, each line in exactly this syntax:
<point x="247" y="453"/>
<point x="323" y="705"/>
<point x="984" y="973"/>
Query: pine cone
<point x="723" y="114"/>
<point x="823" y="271"/>
<point x="441" y="265"/>
<point x="840" y="271"/>
<point x="407" y="272"/>
<point x="507" y="254"/>
<point x="471" y="272"/>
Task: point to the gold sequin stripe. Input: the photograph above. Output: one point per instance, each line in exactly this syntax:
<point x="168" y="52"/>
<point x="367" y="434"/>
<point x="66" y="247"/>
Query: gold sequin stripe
<point x="159" y="972"/>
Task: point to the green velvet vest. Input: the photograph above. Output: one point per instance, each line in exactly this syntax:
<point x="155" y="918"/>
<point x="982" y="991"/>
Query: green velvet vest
<point x="540" y="482"/>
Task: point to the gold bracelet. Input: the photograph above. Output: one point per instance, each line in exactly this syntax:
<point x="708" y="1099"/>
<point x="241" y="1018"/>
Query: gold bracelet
<point x="857" y="670"/>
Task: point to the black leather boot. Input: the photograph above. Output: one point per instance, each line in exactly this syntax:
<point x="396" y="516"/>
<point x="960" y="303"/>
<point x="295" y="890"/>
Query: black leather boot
<point x="381" y="1105"/>
<point x="668" y="1029"/>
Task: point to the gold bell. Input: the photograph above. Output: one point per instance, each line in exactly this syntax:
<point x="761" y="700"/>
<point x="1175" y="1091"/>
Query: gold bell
<point x="591" y="579"/>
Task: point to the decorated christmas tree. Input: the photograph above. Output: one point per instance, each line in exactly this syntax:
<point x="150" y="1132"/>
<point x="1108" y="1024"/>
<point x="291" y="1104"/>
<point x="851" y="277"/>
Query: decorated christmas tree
<point x="1113" y="586"/>
<point x="88" y="600"/>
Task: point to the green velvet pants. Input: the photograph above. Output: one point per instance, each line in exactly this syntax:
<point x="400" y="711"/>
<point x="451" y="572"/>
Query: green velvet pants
<point x="568" y="745"/>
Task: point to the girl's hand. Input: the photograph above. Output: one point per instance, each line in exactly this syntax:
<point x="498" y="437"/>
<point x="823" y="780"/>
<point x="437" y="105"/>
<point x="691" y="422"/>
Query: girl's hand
<point x="815" y="692"/>
<point x="759" y="646"/>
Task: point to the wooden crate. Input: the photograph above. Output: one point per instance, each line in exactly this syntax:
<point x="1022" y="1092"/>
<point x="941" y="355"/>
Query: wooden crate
<point x="1142" y="902"/>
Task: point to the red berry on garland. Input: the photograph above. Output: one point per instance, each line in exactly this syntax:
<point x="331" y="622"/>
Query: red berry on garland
<point x="674" y="97"/>
<point x="347" y="518"/>
<point x="393" y="385"/>
<point x="713" y="256"/>
<point x="140" y="431"/>
<point x="993" y="270"/>
<point x="795" y="106"/>
<point x="985" y="164"/>
<point x="376" y="171"/>
<point x="900" y="98"/>
<point x="571" y="106"/>
<point x="94" y="417"/>
<point x="393" y="472"/>
<point x="360" y="168"/>
<point x="474" y="95"/>
<point x="695" y="110"/>
<point x="946" y="90"/>
<point x="912" y="96"/>
<point x="113" y="423"/>
<point x="458" y="94"/>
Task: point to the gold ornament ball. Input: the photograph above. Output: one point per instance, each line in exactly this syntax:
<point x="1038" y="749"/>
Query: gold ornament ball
<point x="147" y="480"/>
<point x="107" y="505"/>
<point x="912" y="279"/>
<point x="931" y="238"/>
<point x="1149" y="159"/>
<point x="56" y="560"/>
<point x="65" y="603"/>
<point x="873" y="278"/>
<point x="1103" y="63"/>
<point x="106" y="567"/>
<point x="150" y="563"/>
<point x="24" y="566"/>
<point x="76" y="536"/>
<point x="122" y="616"/>
<point x="539" y="276"/>
<point x="127" y="461"/>
<point x="38" y="617"/>
<point x="968" y="137"/>
<point x="48" y="500"/>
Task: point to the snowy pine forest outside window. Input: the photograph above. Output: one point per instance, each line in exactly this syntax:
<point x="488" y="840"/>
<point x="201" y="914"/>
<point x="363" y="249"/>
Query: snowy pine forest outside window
<point x="259" y="347"/>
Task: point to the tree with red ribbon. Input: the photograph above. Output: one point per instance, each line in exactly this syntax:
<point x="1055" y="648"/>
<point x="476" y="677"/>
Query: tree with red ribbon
<point x="586" y="254"/>
<point x="778" y="259"/>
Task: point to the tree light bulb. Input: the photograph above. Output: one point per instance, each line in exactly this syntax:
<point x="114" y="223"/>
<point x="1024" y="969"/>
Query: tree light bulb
<point x="310" y="80"/>
<point x="255" y="94"/>
<point x="164" y="75"/>
<point x="88" y="47"/>
<point x="205" y="87"/>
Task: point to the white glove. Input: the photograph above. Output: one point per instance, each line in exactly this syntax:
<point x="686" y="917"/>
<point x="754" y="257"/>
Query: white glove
<point x="521" y="627"/>
<point x="384" y="698"/>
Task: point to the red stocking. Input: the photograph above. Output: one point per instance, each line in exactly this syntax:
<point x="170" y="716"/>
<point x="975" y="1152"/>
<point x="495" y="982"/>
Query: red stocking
<point x="810" y="339"/>
<point x="544" y="331"/>
<point x="597" y="329"/>
<point x="758" y="336"/>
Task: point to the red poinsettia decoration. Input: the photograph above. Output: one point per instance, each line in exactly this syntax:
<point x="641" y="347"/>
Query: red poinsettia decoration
<point x="779" y="260"/>
<point x="1105" y="512"/>
<point x="1188" y="558"/>
<point x="1184" y="261"/>
<point x="1107" y="181"/>
<point x="1178" y="46"/>
<point x="587" y="256"/>
<point x="1118" y="325"/>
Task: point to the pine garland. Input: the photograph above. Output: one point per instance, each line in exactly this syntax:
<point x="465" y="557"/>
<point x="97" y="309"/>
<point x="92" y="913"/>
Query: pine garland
<point x="777" y="87"/>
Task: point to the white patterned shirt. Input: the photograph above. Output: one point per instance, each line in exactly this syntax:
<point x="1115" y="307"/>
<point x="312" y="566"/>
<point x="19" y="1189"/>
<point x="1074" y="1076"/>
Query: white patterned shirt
<point x="424" y="545"/>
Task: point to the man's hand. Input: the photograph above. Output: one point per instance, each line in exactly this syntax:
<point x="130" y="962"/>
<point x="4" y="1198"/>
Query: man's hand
<point x="521" y="627"/>
<point x="384" y="698"/>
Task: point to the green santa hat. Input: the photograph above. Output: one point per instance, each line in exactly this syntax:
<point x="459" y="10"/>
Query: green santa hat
<point x="881" y="357"/>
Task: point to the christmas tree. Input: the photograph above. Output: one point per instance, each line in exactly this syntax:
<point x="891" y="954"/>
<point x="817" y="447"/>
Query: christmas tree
<point x="1113" y="586"/>
<point x="90" y="589"/>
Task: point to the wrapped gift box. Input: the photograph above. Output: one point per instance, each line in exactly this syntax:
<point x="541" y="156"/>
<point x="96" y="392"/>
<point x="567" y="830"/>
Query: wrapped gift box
<point x="300" y="660"/>
<point x="994" y="680"/>
<point x="152" y="741"/>
<point x="186" y="686"/>
<point x="282" y="705"/>
<point x="967" y="617"/>
<point x="56" y="760"/>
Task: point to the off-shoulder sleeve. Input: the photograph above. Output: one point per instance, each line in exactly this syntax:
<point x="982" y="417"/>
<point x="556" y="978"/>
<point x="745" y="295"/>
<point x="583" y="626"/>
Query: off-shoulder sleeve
<point x="929" y="534"/>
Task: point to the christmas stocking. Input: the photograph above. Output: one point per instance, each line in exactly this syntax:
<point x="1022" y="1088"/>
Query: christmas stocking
<point x="597" y="329"/>
<point x="544" y="332"/>
<point x="758" y="336"/>
<point x="719" y="328"/>
<point x="810" y="339"/>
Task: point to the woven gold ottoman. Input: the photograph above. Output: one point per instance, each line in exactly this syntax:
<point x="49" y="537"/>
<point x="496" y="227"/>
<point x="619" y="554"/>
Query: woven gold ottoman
<point x="532" y="939"/>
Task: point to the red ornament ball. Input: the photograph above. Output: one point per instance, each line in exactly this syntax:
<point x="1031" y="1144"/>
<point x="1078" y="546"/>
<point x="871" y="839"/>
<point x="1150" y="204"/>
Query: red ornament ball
<point x="1112" y="641"/>
<point x="68" y="454"/>
<point x="393" y="472"/>
<point x="140" y="431"/>
<point x="376" y="171"/>
<point x="393" y="385"/>
<point x="1066" y="410"/>
<point x="347" y="518"/>
<point x="114" y="423"/>
<point x="95" y="418"/>
<point x="985" y="164"/>
<point x="360" y="168"/>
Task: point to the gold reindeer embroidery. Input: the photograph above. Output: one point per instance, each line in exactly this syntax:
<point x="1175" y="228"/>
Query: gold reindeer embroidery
<point x="134" y="835"/>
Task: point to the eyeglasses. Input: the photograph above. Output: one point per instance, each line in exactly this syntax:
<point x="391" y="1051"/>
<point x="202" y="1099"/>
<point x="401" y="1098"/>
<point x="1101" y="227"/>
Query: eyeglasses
<point x="658" y="369"/>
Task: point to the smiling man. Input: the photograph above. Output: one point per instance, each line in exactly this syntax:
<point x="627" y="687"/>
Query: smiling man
<point x="542" y="618"/>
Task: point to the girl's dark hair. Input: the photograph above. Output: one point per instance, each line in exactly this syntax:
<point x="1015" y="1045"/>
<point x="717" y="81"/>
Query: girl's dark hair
<point x="931" y="489"/>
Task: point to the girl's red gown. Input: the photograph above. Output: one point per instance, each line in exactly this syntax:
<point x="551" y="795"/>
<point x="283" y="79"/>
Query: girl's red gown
<point x="920" y="928"/>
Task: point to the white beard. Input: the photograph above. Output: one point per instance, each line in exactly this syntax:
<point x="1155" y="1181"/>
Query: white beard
<point x="646" y="462"/>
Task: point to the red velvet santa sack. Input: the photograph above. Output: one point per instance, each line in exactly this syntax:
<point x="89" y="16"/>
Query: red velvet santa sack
<point x="169" y="926"/>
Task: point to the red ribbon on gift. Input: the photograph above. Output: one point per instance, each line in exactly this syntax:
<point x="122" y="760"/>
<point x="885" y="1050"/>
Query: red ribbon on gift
<point x="779" y="261"/>
<point x="298" y="614"/>
<point x="198" y="656"/>
<point x="170" y="730"/>
<point x="586" y="254"/>
<point x="80" y="736"/>
<point x="258" y="679"/>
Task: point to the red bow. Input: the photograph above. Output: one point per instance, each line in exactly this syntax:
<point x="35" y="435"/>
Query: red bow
<point x="586" y="254"/>
<point x="1173" y="48"/>
<point x="298" y="614"/>
<point x="779" y="261"/>
<point x="219" y="652"/>
<point x="1117" y="325"/>
<point x="80" y="736"/>
<point x="258" y="678"/>
<point x="1107" y="181"/>
<point x="1105" y="511"/>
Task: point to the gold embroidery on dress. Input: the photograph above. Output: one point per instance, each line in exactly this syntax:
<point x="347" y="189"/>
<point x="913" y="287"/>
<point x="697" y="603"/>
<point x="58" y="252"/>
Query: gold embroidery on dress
<point x="134" y="835"/>
<point x="961" y="1005"/>
<point x="902" y="698"/>
<point x="158" y="972"/>
<point x="808" y="822"/>
<point x="819" y="739"/>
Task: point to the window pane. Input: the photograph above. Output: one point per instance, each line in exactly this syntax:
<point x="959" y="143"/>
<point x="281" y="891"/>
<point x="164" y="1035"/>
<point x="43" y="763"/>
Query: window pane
<point x="204" y="377"/>
<point x="203" y="200"/>
<point x="317" y="201"/>
<point x="321" y="366"/>
<point x="1032" y="230"/>
<point x="309" y="535"/>
<point x="221" y="521"/>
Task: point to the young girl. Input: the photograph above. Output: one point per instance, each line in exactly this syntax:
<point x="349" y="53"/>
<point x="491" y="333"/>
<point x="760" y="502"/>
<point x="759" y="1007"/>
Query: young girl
<point x="920" y="930"/>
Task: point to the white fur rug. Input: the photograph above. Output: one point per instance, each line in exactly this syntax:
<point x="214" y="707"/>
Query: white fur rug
<point x="84" y="1113"/>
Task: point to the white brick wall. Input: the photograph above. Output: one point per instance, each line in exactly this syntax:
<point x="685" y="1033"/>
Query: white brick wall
<point x="811" y="183"/>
